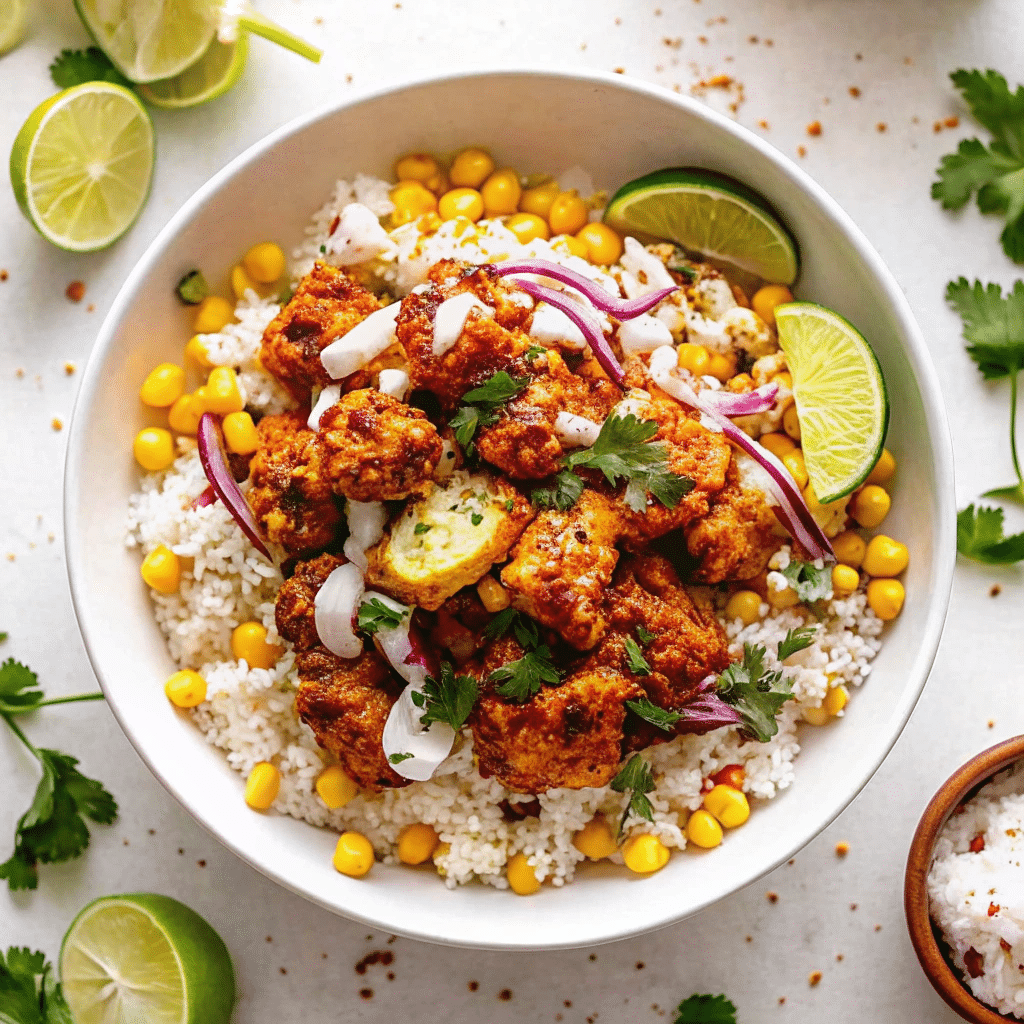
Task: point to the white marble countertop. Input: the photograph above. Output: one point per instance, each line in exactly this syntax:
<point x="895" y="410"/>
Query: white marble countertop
<point x="796" y="60"/>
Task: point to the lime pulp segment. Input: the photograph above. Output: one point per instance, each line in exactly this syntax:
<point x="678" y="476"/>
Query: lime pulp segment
<point x="217" y="71"/>
<point x="840" y="396"/>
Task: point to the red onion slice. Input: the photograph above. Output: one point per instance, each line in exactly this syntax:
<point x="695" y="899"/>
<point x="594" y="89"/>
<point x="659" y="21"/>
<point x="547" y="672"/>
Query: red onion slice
<point x="621" y="309"/>
<point x="208" y="497"/>
<point x="215" y="466"/>
<point x="730" y="403"/>
<point x="584" y="321"/>
<point x="706" y="711"/>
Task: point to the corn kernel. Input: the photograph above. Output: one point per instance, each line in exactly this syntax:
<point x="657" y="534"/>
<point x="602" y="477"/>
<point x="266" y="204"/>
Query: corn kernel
<point x="720" y="366"/>
<point x="783" y="378"/>
<point x="885" y="469"/>
<point x="644" y="854"/>
<point x="729" y="806"/>
<point x="522" y="879"/>
<point x="778" y="444"/>
<point x="744" y="605"/>
<point x="161" y="570"/>
<point x="787" y="597"/>
<point x="835" y="700"/>
<point x="196" y="351"/>
<point x="439" y="855"/>
<point x="604" y="246"/>
<point x="573" y="245"/>
<point x="528" y="226"/>
<point x="694" y="358"/>
<point x="494" y="596"/>
<point x="471" y="168"/>
<point x="870" y="506"/>
<point x="262" y="786"/>
<point x="240" y="434"/>
<point x="791" y="422"/>
<point x="794" y="462"/>
<point x="163" y="386"/>
<point x="885" y="598"/>
<point x="241" y="282"/>
<point x="417" y="843"/>
<point x="185" y="689"/>
<point x="740" y="383"/>
<point x="885" y="556"/>
<point x="154" y="448"/>
<point x="845" y="580"/>
<point x="500" y="193"/>
<point x="849" y="548"/>
<point x="538" y="200"/>
<point x="334" y="787"/>
<point x="265" y="263"/>
<point x="412" y="200"/>
<point x="461" y="202"/>
<point x="703" y="829"/>
<point x="595" y="840"/>
<point x="353" y="856"/>
<point x="183" y="417"/>
<point x="767" y="298"/>
<point x="249" y="644"/>
<point x="416" y="167"/>
<point x="816" y="716"/>
<point x="568" y="213"/>
<point x="222" y="391"/>
<point x="213" y="314"/>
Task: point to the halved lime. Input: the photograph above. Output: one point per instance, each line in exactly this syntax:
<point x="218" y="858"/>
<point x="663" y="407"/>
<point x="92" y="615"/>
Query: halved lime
<point x="840" y="396"/>
<point x="146" y="958"/>
<point x="82" y="164"/>
<point x="13" y="20"/>
<point x="710" y="214"/>
<point x="217" y="71"/>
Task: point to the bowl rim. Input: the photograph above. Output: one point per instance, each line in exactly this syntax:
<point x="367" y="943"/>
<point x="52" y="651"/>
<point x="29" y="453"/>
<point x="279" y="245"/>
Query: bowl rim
<point x="912" y="344"/>
<point x="972" y="774"/>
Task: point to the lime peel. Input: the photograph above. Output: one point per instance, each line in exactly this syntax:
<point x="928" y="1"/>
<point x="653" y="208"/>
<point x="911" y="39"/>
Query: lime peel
<point x="214" y="74"/>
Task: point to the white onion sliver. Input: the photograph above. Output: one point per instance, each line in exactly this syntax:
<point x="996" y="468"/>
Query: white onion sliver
<point x="451" y="317"/>
<point x="403" y="734"/>
<point x="643" y="333"/>
<point x="394" y="383"/>
<point x="366" y="521"/>
<point x="328" y="396"/>
<point x="576" y="431"/>
<point x="366" y="341"/>
<point x="358" y="236"/>
<point x="335" y="609"/>
<point x="551" y="326"/>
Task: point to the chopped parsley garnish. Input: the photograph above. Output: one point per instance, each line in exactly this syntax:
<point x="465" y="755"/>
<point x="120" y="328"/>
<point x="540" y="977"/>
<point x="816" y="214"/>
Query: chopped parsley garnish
<point x="645" y="635"/>
<point x="636" y="779"/>
<point x="480" y="406"/>
<point x="796" y="640"/>
<point x="375" y="614"/>
<point x="521" y="679"/>
<point x="192" y="288"/>
<point x="533" y="351"/>
<point x="29" y="990"/>
<point x="399" y="758"/>
<point x="421" y="528"/>
<point x="53" y="829"/>
<point x="476" y="518"/>
<point x="705" y="1010"/>
<point x="810" y="583"/>
<point x="635" y="661"/>
<point x="448" y="699"/>
<point x="509" y="504"/>
<point x="995" y="172"/>
<point x="623" y="451"/>
<point x="650" y="712"/>
<point x="979" y="535"/>
<point x="678" y="263"/>
<point x="76" y="67"/>
<point x="524" y="628"/>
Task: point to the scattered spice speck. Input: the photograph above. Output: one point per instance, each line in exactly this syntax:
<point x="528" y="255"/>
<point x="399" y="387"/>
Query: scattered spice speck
<point x="283" y="970"/>
<point x="839" y="958"/>
<point x="4" y="275"/>
<point x="718" y="82"/>
<point x="619" y="71"/>
<point x="814" y="128"/>
<point x="366" y="993"/>
<point x="640" y="965"/>
<point x="763" y="124"/>
<point x="782" y="1000"/>
<point x="995" y="590"/>
<point x="473" y="986"/>
<point x="57" y="423"/>
<point x="201" y="863"/>
<point x="69" y="368"/>
<point x="991" y="723"/>
<point x="801" y="150"/>
<point x="853" y="906"/>
<point x="11" y="556"/>
<point x="75" y="291"/>
<point x="593" y="957"/>
<point x="814" y="978"/>
<point x="854" y="92"/>
<point x="91" y="308"/>
<point x="878" y="927"/>
<point x="842" y="849"/>
<point x="952" y="122"/>
<point x="750" y="938"/>
<point x="772" y="897"/>
<point x="505" y="995"/>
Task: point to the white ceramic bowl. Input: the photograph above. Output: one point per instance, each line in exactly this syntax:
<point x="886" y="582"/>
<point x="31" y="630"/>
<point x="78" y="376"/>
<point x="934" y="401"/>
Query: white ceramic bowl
<point x="535" y="121"/>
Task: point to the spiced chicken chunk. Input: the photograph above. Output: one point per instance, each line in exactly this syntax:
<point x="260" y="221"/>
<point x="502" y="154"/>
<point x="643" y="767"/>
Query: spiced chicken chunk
<point x="295" y="610"/>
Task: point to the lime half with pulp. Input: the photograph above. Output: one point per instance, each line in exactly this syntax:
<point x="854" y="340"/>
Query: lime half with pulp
<point x="217" y="71"/>
<point x="145" y="958"/>
<point x="710" y="214"/>
<point x="82" y="164"/>
<point x="13" y="21"/>
<point x="840" y="396"/>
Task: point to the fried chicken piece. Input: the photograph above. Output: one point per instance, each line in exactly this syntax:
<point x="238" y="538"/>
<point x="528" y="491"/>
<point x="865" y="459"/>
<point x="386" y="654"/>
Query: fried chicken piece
<point x="295" y="612"/>
<point x="568" y="736"/>
<point x="562" y="566"/>
<point x="377" y="448"/>
<point x="488" y="343"/>
<point x="346" y="701"/>
<point x="291" y="496"/>
<point x="326" y="305"/>
<point x="738" y="535"/>
<point x="524" y="442"/>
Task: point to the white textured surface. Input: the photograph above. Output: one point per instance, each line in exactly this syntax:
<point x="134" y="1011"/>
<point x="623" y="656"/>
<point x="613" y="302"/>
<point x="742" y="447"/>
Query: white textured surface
<point x="880" y="178"/>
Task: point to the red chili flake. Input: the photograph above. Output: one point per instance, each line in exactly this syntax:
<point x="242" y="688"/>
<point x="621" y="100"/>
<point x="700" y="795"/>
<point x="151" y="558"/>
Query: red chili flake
<point x="973" y="962"/>
<point x="390" y="975"/>
<point x="772" y="897"/>
<point x="718" y="82"/>
<point x="937" y="127"/>
<point x="995" y="590"/>
<point x="1012" y="833"/>
<point x="4" y="275"/>
<point x="379" y="956"/>
<point x="201" y="863"/>
<point x="75" y="291"/>
<point x="993" y="909"/>
<point x="854" y="92"/>
<point x="283" y="970"/>
<point x="334" y="224"/>
<point x="842" y="849"/>
<point x="640" y="965"/>
<point x="977" y="844"/>
<point x="1005" y="946"/>
<point x="881" y="126"/>
<point x="567" y="1003"/>
<point x="814" y="128"/>
<point x="505" y="995"/>
<point x="366" y="993"/>
<point x="814" y="978"/>
<point x="952" y="122"/>
<point x="782" y="1000"/>
<point x="473" y="986"/>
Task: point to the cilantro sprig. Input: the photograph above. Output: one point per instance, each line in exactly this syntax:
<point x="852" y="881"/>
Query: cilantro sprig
<point x="994" y="172"/>
<point x="53" y="829"/>
<point x="651" y="712"/>
<point x="706" y="1009"/>
<point x="449" y="698"/>
<point x="29" y="990"/>
<point x="76" y="67"/>
<point x="522" y="678"/>
<point x="481" y="406"/>
<point x="635" y="661"/>
<point x="375" y="615"/>
<point x="979" y="535"/>
<point x="636" y="779"/>
<point x="809" y="582"/>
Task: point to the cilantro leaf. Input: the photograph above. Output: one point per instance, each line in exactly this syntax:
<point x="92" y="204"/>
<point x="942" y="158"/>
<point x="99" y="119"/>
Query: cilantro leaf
<point x="993" y="325"/>
<point x="192" y="288"/>
<point x="375" y="614"/>
<point x="995" y="172"/>
<point x="449" y="699"/>
<point x="809" y="582"/>
<point x="533" y="351"/>
<point x="706" y="1009"/>
<point x="421" y="528"/>
<point x="635" y="778"/>
<point x="19" y="691"/>
<point x="480" y="405"/>
<point x="522" y="678"/>
<point x="796" y="640"/>
<point x="399" y="758"/>
<point x="465" y="424"/>
<point x="635" y="661"/>
<point x="29" y="992"/>
<point x="564" y="492"/>
<point x="979" y="535"/>
<point x="524" y="628"/>
<point x="645" y="635"/>
<point x="76" y="67"/>
<point x="758" y="695"/>
<point x="650" y="712"/>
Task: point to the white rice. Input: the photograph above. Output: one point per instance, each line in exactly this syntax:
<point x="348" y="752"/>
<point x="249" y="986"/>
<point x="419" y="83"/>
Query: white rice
<point x="977" y="898"/>
<point x="249" y="713"/>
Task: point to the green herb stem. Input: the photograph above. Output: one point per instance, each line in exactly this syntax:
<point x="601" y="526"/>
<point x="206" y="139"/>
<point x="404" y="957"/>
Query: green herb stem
<point x="21" y="736"/>
<point x="1013" y="425"/>
<point x="73" y="699"/>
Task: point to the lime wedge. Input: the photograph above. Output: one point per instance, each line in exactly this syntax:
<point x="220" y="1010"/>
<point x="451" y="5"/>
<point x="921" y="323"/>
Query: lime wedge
<point x="145" y="958"/>
<point x="709" y="214"/>
<point x="82" y="164"/>
<point x="217" y="71"/>
<point x="840" y="397"/>
<point x="13" y="21"/>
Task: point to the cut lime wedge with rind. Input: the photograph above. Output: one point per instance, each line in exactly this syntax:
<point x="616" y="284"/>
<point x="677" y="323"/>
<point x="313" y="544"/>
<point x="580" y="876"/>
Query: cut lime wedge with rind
<point x="214" y="74"/>
<point x="710" y="214"/>
<point x="13" y="22"/>
<point x="144" y="957"/>
<point x="82" y="165"/>
<point x="841" y="400"/>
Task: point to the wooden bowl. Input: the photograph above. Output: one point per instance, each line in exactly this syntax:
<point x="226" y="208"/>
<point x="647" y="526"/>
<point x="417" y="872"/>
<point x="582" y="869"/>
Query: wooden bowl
<point x="927" y="942"/>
